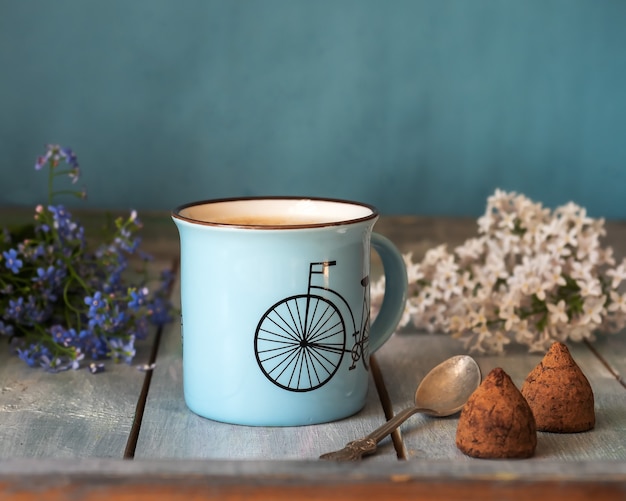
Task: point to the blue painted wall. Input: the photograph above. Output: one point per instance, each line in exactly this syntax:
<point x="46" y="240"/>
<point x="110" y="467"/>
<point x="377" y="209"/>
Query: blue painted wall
<point x="421" y="107"/>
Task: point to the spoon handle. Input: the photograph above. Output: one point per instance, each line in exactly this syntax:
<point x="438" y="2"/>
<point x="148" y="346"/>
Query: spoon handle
<point x="385" y="429"/>
<point x="355" y="450"/>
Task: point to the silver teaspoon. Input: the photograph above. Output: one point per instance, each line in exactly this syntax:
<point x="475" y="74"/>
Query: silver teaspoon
<point x="442" y="392"/>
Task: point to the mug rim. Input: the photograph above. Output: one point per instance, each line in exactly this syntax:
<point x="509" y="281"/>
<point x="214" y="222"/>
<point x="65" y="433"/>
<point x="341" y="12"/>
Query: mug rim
<point x="176" y="212"/>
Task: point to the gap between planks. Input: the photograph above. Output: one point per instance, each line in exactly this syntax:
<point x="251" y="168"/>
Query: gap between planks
<point x="131" y="443"/>
<point x="606" y="363"/>
<point x="387" y="406"/>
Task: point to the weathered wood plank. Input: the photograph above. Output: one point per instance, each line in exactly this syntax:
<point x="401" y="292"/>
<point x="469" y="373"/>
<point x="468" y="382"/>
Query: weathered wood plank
<point x="611" y="349"/>
<point x="70" y="414"/>
<point x="405" y="360"/>
<point x="92" y="479"/>
<point x="170" y="430"/>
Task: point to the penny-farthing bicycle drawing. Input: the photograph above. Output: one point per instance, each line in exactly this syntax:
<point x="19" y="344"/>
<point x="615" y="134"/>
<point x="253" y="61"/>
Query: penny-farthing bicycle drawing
<point x="301" y="340"/>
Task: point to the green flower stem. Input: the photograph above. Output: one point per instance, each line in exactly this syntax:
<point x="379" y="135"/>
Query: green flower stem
<point x="66" y="297"/>
<point x="50" y="183"/>
<point x="69" y="192"/>
<point x="63" y="172"/>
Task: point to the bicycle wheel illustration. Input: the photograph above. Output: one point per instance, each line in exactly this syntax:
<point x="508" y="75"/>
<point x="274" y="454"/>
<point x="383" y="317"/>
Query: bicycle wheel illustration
<point x="300" y="341"/>
<point x="360" y="350"/>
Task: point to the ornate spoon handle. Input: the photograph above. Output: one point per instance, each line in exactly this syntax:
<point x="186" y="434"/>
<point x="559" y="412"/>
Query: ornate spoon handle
<point x="355" y="450"/>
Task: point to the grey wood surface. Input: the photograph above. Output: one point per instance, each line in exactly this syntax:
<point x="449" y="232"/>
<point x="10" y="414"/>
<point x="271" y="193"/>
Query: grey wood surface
<point x="170" y="430"/>
<point x="425" y="437"/>
<point x="65" y="422"/>
<point x="69" y="414"/>
<point x="73" y="413"/>
<point x="612" y="349"/>
<point x="306" y="471"/>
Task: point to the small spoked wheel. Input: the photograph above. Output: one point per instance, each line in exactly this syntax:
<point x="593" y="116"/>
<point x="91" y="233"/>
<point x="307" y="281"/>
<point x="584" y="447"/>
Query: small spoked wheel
<point x="363" y="343"/>
<point x="300" y="341"/>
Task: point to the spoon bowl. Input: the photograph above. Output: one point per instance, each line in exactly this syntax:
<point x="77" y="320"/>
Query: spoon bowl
<point x="446" y="388"/>
<point x="442" y="392"/>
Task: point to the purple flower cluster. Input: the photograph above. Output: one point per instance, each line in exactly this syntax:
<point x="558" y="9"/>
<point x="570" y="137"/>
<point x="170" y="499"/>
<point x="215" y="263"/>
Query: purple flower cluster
<point x="61" y="302"/>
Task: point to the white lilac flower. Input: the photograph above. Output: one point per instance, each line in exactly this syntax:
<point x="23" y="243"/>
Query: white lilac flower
<point x="554" y="275"/>
<point x="618" y="302"/>
<point x="592" y="310"/>
<point x="531" y="276"/>
<point x="590" y="287"/>
<point x="558" y="312"/>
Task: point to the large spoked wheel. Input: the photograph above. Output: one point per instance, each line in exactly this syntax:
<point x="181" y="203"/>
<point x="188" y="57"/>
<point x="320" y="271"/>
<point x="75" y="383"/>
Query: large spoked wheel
<point x="300" y="341"/>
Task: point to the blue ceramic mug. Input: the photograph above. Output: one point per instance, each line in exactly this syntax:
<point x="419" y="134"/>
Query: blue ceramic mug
<point x="275" y="307"/>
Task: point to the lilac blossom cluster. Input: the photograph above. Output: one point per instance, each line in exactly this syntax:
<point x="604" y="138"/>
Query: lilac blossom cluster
<point x="62" y="302"/>
<point x="532" y="276"/>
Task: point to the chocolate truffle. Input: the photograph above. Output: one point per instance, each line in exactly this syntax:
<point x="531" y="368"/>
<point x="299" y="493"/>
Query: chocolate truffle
<point x="559" y="394"/>
<point x="496" y="421"/>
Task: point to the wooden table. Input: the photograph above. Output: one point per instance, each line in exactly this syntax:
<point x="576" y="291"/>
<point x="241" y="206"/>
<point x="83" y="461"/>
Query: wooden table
<point x="128" y="434"/>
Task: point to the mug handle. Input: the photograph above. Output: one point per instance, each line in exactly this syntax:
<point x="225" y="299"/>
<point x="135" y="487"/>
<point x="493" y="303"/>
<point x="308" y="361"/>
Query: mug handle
<point x="396" y="286"/>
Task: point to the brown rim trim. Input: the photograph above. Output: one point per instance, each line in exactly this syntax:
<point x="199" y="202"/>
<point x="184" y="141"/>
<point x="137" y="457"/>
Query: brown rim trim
<point x="176" y="212"/>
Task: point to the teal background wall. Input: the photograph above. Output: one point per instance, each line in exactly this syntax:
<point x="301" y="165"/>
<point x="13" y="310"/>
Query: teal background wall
<point x="419" y="107"/>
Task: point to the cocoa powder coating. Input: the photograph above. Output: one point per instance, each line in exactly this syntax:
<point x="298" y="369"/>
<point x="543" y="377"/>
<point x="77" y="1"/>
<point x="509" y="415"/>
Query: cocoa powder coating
<point x="496" y="421"/>
<point x="559" y="394"/>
